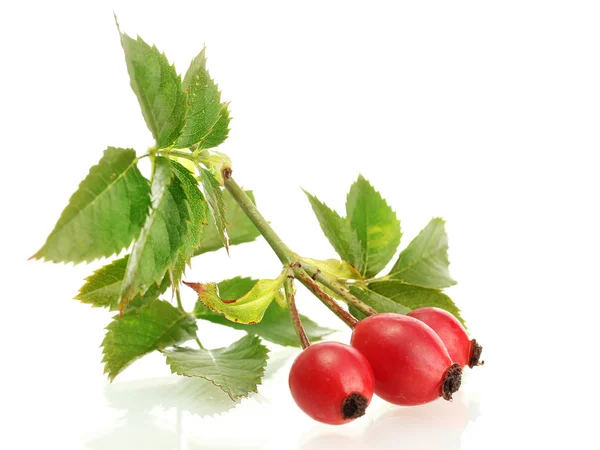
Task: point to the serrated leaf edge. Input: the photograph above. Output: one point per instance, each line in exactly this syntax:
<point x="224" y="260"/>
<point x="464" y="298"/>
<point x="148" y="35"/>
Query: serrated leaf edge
<point x="234" y="398"/>
<point x="152" y="217"/>
<point x="392" y="274"/>
<point x="154" y="128"/>
<point x="118" y="317"/>
<point x="365" y="253"/>
<point x="40" y="257"/>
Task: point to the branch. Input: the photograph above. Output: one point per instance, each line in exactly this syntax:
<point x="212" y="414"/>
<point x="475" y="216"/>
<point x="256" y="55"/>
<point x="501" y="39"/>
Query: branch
<point x="336" y="287"/>
<point x="312" y="286"/>
<point x="282" y="251"/>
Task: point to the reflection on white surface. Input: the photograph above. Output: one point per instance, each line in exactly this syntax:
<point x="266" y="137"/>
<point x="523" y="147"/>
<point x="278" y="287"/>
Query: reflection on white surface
<point x="194" y="395"/>
<point x="189" y="414"/>
<point x="140" y="429"/>
<point x="437" y="425"/>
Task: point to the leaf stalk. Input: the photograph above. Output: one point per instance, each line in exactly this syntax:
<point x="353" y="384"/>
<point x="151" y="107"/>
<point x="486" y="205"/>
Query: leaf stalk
<point x="178" y="297"/>
<point x="307" y="274"/>
<point x="337" y="288"/>
<point x="288" y="286"/>
<point x="325" y="298"/>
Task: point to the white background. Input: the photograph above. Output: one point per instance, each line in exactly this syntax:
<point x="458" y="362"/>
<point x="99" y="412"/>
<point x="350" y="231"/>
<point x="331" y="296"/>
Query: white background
<point x="484" y="113"/>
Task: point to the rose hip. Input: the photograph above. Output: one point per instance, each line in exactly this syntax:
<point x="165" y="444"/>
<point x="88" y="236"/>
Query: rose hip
<point x="460" y="348"/>
<point x="409" y="361"/>
<point x="331" y="382"/>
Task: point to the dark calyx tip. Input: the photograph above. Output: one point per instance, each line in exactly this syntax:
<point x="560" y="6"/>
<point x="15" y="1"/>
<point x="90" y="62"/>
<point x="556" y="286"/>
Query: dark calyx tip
<point x="476" y="350"/>
<point x="354" y="406"/>
<point x="451" y="382"/>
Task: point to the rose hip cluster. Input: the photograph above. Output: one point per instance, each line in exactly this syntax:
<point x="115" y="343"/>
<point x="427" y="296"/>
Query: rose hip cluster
<point x="405" y="360"/>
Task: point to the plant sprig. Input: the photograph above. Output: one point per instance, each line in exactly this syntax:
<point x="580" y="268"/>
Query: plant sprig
<point x="192" y="205"/>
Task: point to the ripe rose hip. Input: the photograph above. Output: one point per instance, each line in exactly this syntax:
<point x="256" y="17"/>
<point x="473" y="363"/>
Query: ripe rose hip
<point x="332" y="382"/>
<point x="409" y="361"/>
<point x="460" y="348"/>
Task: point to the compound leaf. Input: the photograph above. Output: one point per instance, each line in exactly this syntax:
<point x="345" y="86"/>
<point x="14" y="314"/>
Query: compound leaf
<point x="220" y="131"/>
<point x="157" y="88"/>
<point x="162" y="236"/>
<point x="339" y="232"/>
<point x="104" y="215"/>
<point x="198" y="220"/>
<point x="376" y="301"/>
<point x="237" y="369"/>
<point x="136" y="334"/>
<point x="103" y="287"/>
<point x="424" y="262"/>
<point x="414" y="297"/>
<point x="204" y="101"/>
<point x="375" y="224"/>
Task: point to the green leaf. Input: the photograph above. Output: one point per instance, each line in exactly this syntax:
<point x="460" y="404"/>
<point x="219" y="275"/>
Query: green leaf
<point x="103" y="287"/>
<point x="234" y="288"/>
<point x="276" y="325"/>
<point x="104" y="215"/>
<point x="335" y="269"/>
<point x="376" y="301"/>
<point x="185" y="162"/>
<point x="414" y="297"/>
<point x="204" y="101"/>
<point x="425" y="261"/>
<point x="158" y="90"/>
<point x="158" y="245"/>
<point x="376" y="226"/>
<point x="220" y="131"/>
<point x="216" y="201"/>
<point x="199" y="210"/>
<point x="136" y="334"/>
<point x="338" y="231"/>
<point x="239" y="228"/>
<point x="237" y="369"/>
<point x="248" y="308"/>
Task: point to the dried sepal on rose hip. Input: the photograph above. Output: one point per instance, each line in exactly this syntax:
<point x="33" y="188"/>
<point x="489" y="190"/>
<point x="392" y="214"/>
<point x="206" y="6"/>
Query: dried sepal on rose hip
<point x="332" y="382"/>
<point x="409" y="361"/>
<point x="462" y="349"/>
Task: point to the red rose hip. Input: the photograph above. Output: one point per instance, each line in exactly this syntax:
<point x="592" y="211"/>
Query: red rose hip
<point x="332" y="382"/>
<point x="409" y="361"/>
<point x="461" y="349"/>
